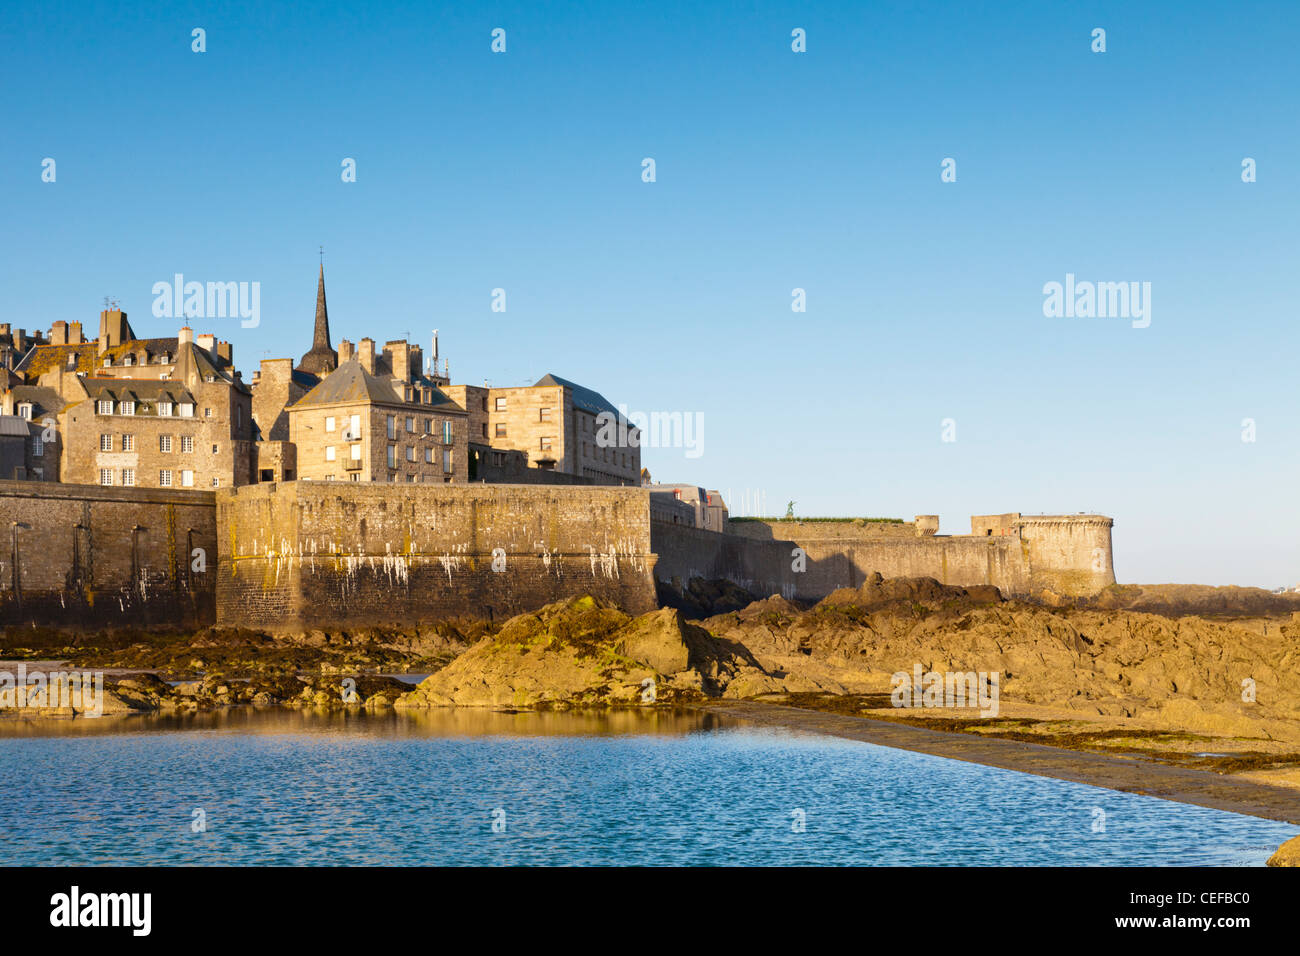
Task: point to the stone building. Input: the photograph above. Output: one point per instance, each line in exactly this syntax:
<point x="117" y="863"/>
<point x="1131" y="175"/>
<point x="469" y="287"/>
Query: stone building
<point x="379" y="418"/>
<point x="189" y="424"/>
<point x="35" y="412"/>
<point x="557" y="425"/>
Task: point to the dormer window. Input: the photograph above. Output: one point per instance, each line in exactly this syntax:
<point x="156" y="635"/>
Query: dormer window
<point x="165" y="409"/>
<point x="25" y="411"/>
<point x="105" y="406"/>
<point x="128" y="408"/>
<point x="209" y="378"/>
<point x="72" y="360"/>
<point x="128" y="360"/>
<point x="187" y="409"/>
<point x="108" y="360"/>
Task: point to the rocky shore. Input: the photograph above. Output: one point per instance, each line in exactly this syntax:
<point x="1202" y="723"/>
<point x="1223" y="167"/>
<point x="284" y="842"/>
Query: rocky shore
<point x="1217" y="693"/>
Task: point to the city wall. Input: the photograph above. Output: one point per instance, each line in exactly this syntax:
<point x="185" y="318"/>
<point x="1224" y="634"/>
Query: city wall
<point x="295" y="556"/>
<point x="1069" y="555"/>
<point x="106" y="557"/>
<point x="305" y="555"/>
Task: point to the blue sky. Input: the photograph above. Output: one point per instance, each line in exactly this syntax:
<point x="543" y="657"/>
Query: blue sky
<point x="775" y="170"/>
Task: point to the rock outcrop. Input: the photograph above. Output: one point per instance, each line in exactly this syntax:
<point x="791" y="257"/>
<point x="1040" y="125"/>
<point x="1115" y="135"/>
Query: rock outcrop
<point x="1288" y="854"/>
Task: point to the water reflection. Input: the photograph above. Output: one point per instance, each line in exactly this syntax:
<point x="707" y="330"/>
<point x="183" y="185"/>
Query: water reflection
<point x="438" y="722"/>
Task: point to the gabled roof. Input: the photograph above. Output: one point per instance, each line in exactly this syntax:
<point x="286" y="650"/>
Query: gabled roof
<point x="194" y="365"/>
<point x="351" y="384"/>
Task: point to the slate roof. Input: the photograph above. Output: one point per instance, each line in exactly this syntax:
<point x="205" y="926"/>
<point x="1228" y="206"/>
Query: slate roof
<point x="351" y="384"/>
<point x="13" y="425"/>
<point x="585" y="398"/>
<point x="44" y="358"/>
<point x="146" y="391"/>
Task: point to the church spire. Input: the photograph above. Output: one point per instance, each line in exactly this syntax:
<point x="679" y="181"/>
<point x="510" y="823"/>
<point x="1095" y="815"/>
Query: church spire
<point x="322" y="358"/>
<point x="322" y="334"/>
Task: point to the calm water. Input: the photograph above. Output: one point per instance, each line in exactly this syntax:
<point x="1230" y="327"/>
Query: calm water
<point x="291" y="788"/>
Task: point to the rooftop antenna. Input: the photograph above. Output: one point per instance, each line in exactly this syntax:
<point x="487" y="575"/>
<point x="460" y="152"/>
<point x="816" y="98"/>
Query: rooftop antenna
<point x="433" y="363"/>
<point x="322" y="256"/>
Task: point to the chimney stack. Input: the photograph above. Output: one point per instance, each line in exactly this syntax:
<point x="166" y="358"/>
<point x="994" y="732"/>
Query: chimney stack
<point x="74" y="334"/>
<point x="398" y="354"/>
<point x="366" y="354"/>
<point x="346" y="351"/>
<point x="59" y="333"/>
<point x="207" y="341"/>
<point x="185" y="335"/>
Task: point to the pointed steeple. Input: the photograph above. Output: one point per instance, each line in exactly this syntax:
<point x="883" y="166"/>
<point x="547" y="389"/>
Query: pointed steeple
<point x="322" y="333"/>
<point x="322" y="358"/>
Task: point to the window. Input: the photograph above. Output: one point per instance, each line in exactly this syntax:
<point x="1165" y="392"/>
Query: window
<point x="446" y="433"/>
<point x="501" y="430"/>
<point x="128" y="408"/>
<point x="485" y="403"/>
<point x="128" y="477"/>
<point x="165" y="409"/>
<point x="485" y="430"/>
<point x="392" y="427"/>
<point x="446" y="459"/>
<point x="356" y="452"/>
<point x="187" y="409"/>
<point x="329" y="452"/>
<point x="428" y="456"/>
<point x="72" y="360"/>
<point x="428" y="426"/>
<point x="543" y="414"/>
<point x="410" y="478"/>
<point x="392" y="455"/>
<point x="128" y="443"/>
<point x="187" y="443"/>
<point x="104" y="406"/>
<point x="187" y="479"/>
<point x="38" y="448"/>
<point x="214" y="449"/>
<point x="216" y="482"/>
<point x="165" y="443"/>
<point x="105" y="442"/>
<point x="25" y="411"/>
<point x="106" y="476"/>
<point x="329" y="423"/>
<point x="355" y="427"/>
<point x="165" y="478"/>
<point x="410" y="453"/>
<point x="410" y="424"/>
<point x="207" y="413"/>
<point x="501" y="404"/>
<point x="128" y="360"/>
<point x="546" y="444"/>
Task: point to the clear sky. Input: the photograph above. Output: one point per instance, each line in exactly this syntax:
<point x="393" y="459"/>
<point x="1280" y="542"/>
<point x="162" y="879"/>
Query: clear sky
<point x="775" y="170"/>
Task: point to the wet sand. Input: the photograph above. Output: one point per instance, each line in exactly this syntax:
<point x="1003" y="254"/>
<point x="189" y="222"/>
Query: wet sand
<point x="1127" y="775"/>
